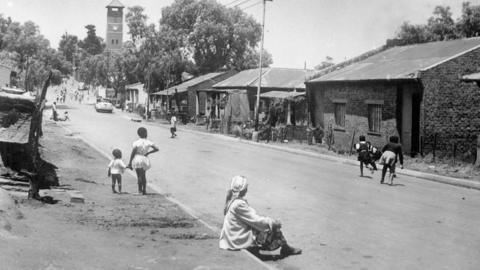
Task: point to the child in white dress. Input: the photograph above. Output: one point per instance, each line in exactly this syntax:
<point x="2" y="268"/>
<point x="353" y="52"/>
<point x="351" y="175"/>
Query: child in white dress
<point x="116" y="169"/>
<point x="139" y="158"/>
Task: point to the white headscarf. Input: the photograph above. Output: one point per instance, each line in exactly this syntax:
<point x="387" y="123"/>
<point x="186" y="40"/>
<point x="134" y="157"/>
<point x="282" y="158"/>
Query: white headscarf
<point x="239" y="183"/>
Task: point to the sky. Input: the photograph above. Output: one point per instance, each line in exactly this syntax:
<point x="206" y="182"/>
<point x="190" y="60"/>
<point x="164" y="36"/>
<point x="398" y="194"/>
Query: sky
<point x="297" y="32"/>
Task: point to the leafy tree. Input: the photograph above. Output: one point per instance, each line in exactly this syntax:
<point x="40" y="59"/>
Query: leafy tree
<point x="441" y="25"/>
<point x="325" y="63"/>
<point x="92" y="44"/>
<point x="68" y="46"/>
<point x="412" y="34"/>
<point x="251" y="59"/>
<point x="215" y="36"/>
<point x="468" y="25"/>
<point x="137" y="23"/>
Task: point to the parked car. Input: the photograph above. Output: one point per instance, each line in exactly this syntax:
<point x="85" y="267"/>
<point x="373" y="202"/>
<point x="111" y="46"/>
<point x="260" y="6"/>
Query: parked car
<point x="104" y="105"/>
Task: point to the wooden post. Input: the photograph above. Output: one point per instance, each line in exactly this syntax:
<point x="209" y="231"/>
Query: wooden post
<point x="351" y="145"/>
<point x="477" y="160"/>
<point x="197" y="105"/>
<point x="289" y="109"/>
<point x="434" y="145"/>
<point x="34" y="135"/>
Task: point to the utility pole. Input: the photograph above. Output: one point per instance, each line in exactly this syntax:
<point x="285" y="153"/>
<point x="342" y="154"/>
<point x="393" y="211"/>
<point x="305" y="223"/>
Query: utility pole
<point x="257" y="105"/>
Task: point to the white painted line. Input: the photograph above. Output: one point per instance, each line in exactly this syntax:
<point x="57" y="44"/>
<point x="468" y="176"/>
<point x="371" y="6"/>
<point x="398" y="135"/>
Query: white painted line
<point x="182" y="206"/>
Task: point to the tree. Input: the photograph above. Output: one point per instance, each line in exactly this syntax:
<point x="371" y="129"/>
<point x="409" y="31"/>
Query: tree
<point x="441" y="25"/>
<point x="92" y="44"/>
<point x="137" y="23"/>
<point x="412" y="34"/>
<point x="68" y="46"/>
<point x="325" y="63"/>
<point x="468" y="25"/>
<point x="251" y="59"/>
<point x="215" y="36"/>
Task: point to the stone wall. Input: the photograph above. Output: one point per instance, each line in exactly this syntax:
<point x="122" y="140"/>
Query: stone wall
<point x="356" y="95"/>
<point x="451" y="107"/>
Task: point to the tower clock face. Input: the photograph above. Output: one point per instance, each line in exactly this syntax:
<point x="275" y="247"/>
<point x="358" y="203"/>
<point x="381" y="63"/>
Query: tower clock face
<point x="115" y="28"/>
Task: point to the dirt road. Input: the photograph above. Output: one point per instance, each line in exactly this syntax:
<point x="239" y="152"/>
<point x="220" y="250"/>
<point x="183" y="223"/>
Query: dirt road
<point x="108" y="231"/>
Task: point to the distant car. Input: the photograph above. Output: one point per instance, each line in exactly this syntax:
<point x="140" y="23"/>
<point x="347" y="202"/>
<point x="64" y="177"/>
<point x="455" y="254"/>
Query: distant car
<point x="104" y="105"/>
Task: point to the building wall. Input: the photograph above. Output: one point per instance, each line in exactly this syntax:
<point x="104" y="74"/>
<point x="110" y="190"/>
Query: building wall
<point x="451" y="108"/>
<point x="356" y="96"/>
<point x="203" y="96"/>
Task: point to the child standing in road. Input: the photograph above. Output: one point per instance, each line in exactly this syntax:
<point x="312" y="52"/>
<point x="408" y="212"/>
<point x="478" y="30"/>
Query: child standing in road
<point x="139" y="158"/>
<point x="173" y="126"/>
<point x="116" y="169"/>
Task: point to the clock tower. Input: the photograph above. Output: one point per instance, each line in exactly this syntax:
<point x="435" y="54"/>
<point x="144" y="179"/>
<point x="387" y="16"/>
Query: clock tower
<point x="114" y="38"/>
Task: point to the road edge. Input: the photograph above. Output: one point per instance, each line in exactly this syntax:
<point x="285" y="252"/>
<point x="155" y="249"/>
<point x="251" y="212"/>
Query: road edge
<point x="416" y="174"/>
<point x="182" y="206"/>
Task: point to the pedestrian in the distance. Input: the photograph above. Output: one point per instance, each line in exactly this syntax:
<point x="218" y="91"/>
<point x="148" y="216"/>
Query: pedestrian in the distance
<point x="173" y="125"/>
<point x="116" y="169"/>
<point x="389" y="158"/>
<point x="54" y="111"/>
<point x="365" y="152"/>
<point x="139" y="158"/>
<point x="243" y="228"/>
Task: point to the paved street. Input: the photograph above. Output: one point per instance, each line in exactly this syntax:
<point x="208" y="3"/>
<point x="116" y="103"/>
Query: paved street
<point x="341" y="221"/>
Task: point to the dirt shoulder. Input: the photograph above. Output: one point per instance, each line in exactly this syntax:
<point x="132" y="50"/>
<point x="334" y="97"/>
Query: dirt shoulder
<point x="108" y="231"/>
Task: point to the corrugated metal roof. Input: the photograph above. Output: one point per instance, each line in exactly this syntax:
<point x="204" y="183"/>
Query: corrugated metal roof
<point x="403" y="62"/>
<point x="240" y="80"/>
<point x="282" y="94"/>
<point x="115" y="3"/>
<point x="17" y="132"/>
<point x="183" y="87"/>
<point x="474" y="77"/>
<point x="287" y="78"/>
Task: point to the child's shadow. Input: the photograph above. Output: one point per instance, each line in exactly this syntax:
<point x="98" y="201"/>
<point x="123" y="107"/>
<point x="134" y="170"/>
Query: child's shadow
<point x="396" y="185"/>
<point x="366" y="176"/>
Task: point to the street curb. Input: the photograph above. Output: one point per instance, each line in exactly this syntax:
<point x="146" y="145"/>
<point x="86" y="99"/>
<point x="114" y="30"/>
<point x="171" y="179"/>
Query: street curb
<point x="420" y="175"/>
<point x="182" y="206"/>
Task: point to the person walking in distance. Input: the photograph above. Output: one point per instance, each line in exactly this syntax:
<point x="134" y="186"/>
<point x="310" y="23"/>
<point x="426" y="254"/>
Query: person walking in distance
<point x="139" y="158"/>
<point x="389" y="158"/>
<point x="116" y="169"/>
<point x="173" y="125"/>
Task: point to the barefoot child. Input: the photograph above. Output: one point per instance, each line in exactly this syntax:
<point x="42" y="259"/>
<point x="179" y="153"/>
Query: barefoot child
<point x="389" y="158"/>
<point x="115" y="170"/>
<point x="139" y="158"/>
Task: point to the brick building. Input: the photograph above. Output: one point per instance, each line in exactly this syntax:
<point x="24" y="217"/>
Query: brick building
<point x="413" y="91"/>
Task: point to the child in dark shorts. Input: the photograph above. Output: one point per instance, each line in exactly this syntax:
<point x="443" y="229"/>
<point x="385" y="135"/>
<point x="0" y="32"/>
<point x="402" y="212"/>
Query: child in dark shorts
<point x="365" y="155"/>
<point x="116" y="169"/>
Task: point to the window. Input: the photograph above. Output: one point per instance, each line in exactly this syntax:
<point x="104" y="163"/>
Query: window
<point x="116" y="42"/>
<point x="374" y="117"/>
<point x="113" y="41"/>
<point x="340" y="110"/>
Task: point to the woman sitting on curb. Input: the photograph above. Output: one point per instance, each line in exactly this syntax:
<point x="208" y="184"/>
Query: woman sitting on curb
<point x="244" y="229"/>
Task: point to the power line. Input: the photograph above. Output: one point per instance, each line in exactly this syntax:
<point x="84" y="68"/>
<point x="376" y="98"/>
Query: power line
<point x="256" y="4"/>
<point x="243" y="2"/>
<point x="232" y="2"/>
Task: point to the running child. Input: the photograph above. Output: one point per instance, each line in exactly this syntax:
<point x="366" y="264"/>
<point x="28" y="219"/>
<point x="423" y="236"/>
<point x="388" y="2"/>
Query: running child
<point x="116" y="169"/>
<point x="365" y="153"/>
<point x="389" y="158"/>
